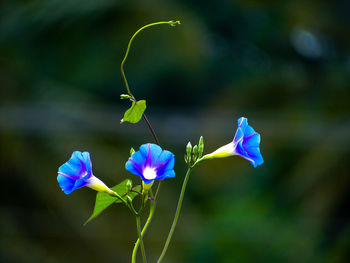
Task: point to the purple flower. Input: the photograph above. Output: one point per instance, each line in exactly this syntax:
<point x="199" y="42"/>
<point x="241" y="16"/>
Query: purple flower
<point x="246" y="143"/>
<point x="77" y="172"/>
<point x="151" y="163"/>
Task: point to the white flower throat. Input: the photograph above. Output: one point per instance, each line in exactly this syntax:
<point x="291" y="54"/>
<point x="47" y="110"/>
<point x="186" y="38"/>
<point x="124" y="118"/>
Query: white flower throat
<point x="149" y="173"/>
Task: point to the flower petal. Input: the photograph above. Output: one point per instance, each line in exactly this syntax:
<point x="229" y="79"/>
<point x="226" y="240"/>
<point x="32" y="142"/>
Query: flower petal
<point x="165" y="161"/>
<point x="133" y="167"/>
<point x="252" y="140"/>
<point x="152" y="152"/>
<point x="78" y="165"/>
<point x="139" y="158"/>
<point x="243" y="124"/>
<point x="66" y="184"/>
<point x="239" y="135"/>
<point x="79" y="183"/>
<point x="87" y="162"/>
<point x="248" y="145"/>
<point x="75" y="172"/>
<point x="166" y="174"/>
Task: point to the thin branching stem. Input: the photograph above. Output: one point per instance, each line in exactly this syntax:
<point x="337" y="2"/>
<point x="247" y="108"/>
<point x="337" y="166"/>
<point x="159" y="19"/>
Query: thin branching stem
<point x="171" y="23"/>
<point x="154" y="203"/>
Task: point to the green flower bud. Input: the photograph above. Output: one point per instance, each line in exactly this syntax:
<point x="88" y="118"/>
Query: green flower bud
<point x="125" y="96"/>
<point x="188" y="152"/>
<point x="132" y="151"/>
<point x="195" y="153"/>
<point x="200" y="147"/>
<point x="128" y="185"/>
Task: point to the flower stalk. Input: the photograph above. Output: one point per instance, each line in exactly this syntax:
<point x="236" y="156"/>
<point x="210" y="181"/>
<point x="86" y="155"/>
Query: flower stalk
<point x="138" y="225"/>
<point x="177" y="214"/>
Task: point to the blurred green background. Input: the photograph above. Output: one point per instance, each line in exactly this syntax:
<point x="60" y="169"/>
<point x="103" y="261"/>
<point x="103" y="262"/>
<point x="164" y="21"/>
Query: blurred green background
<point x="285" y="65"/>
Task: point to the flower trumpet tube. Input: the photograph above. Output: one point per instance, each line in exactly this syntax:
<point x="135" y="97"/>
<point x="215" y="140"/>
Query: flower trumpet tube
<point x="146" y="187"/>
<point x="151" y="163"/>
<point x="77" y="173"/>
<point x="246" y="143"/>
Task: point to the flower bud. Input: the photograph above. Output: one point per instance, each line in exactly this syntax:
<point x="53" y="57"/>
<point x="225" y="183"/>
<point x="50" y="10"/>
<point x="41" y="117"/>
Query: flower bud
<point x="128" y="185"/>
<point x="195" y="153"/>
<point x="200" y="147"/>
<point x="188" y="152"/>
<point x="125" y="96"/>
<point x="132" y="151"/>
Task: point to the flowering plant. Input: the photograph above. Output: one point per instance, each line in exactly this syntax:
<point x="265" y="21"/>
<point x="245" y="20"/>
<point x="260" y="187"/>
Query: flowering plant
<point x="151" y="163"/>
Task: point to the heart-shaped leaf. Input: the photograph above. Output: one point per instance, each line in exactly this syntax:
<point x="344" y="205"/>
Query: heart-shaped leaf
<point x="104" y="200"/>
<point x="134" y="113"/>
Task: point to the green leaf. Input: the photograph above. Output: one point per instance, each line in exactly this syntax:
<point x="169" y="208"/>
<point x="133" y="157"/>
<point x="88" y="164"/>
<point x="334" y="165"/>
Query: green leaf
<point x="134" y="113"/>
<point x="104" y="200"/>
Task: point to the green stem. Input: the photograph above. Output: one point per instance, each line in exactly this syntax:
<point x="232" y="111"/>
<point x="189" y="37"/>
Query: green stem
<point x="177" y="213"/>
<point x="203" y="158"/>
<point x="112" y="193"/>
<point x="150" y="128"/>
<point x="153" y="204"/>
<point x="149" y="219"/>
<point x="131" y="206"/>
<point x="171" y="23"/>
<point x="138" y="225"/>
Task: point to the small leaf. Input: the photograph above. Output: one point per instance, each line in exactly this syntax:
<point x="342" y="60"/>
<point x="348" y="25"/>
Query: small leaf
<point x="134" y="113"/>
<point x="104" y="200"/>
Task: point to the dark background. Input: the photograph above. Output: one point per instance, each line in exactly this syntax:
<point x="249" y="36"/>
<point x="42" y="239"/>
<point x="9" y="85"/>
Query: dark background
<point x="285" y="65"/>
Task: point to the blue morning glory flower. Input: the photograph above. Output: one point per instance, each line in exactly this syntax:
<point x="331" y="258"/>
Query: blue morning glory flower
<point x="77" y="173"/>
<point x="246" y="143"/>
<point x="151" y="163"/>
